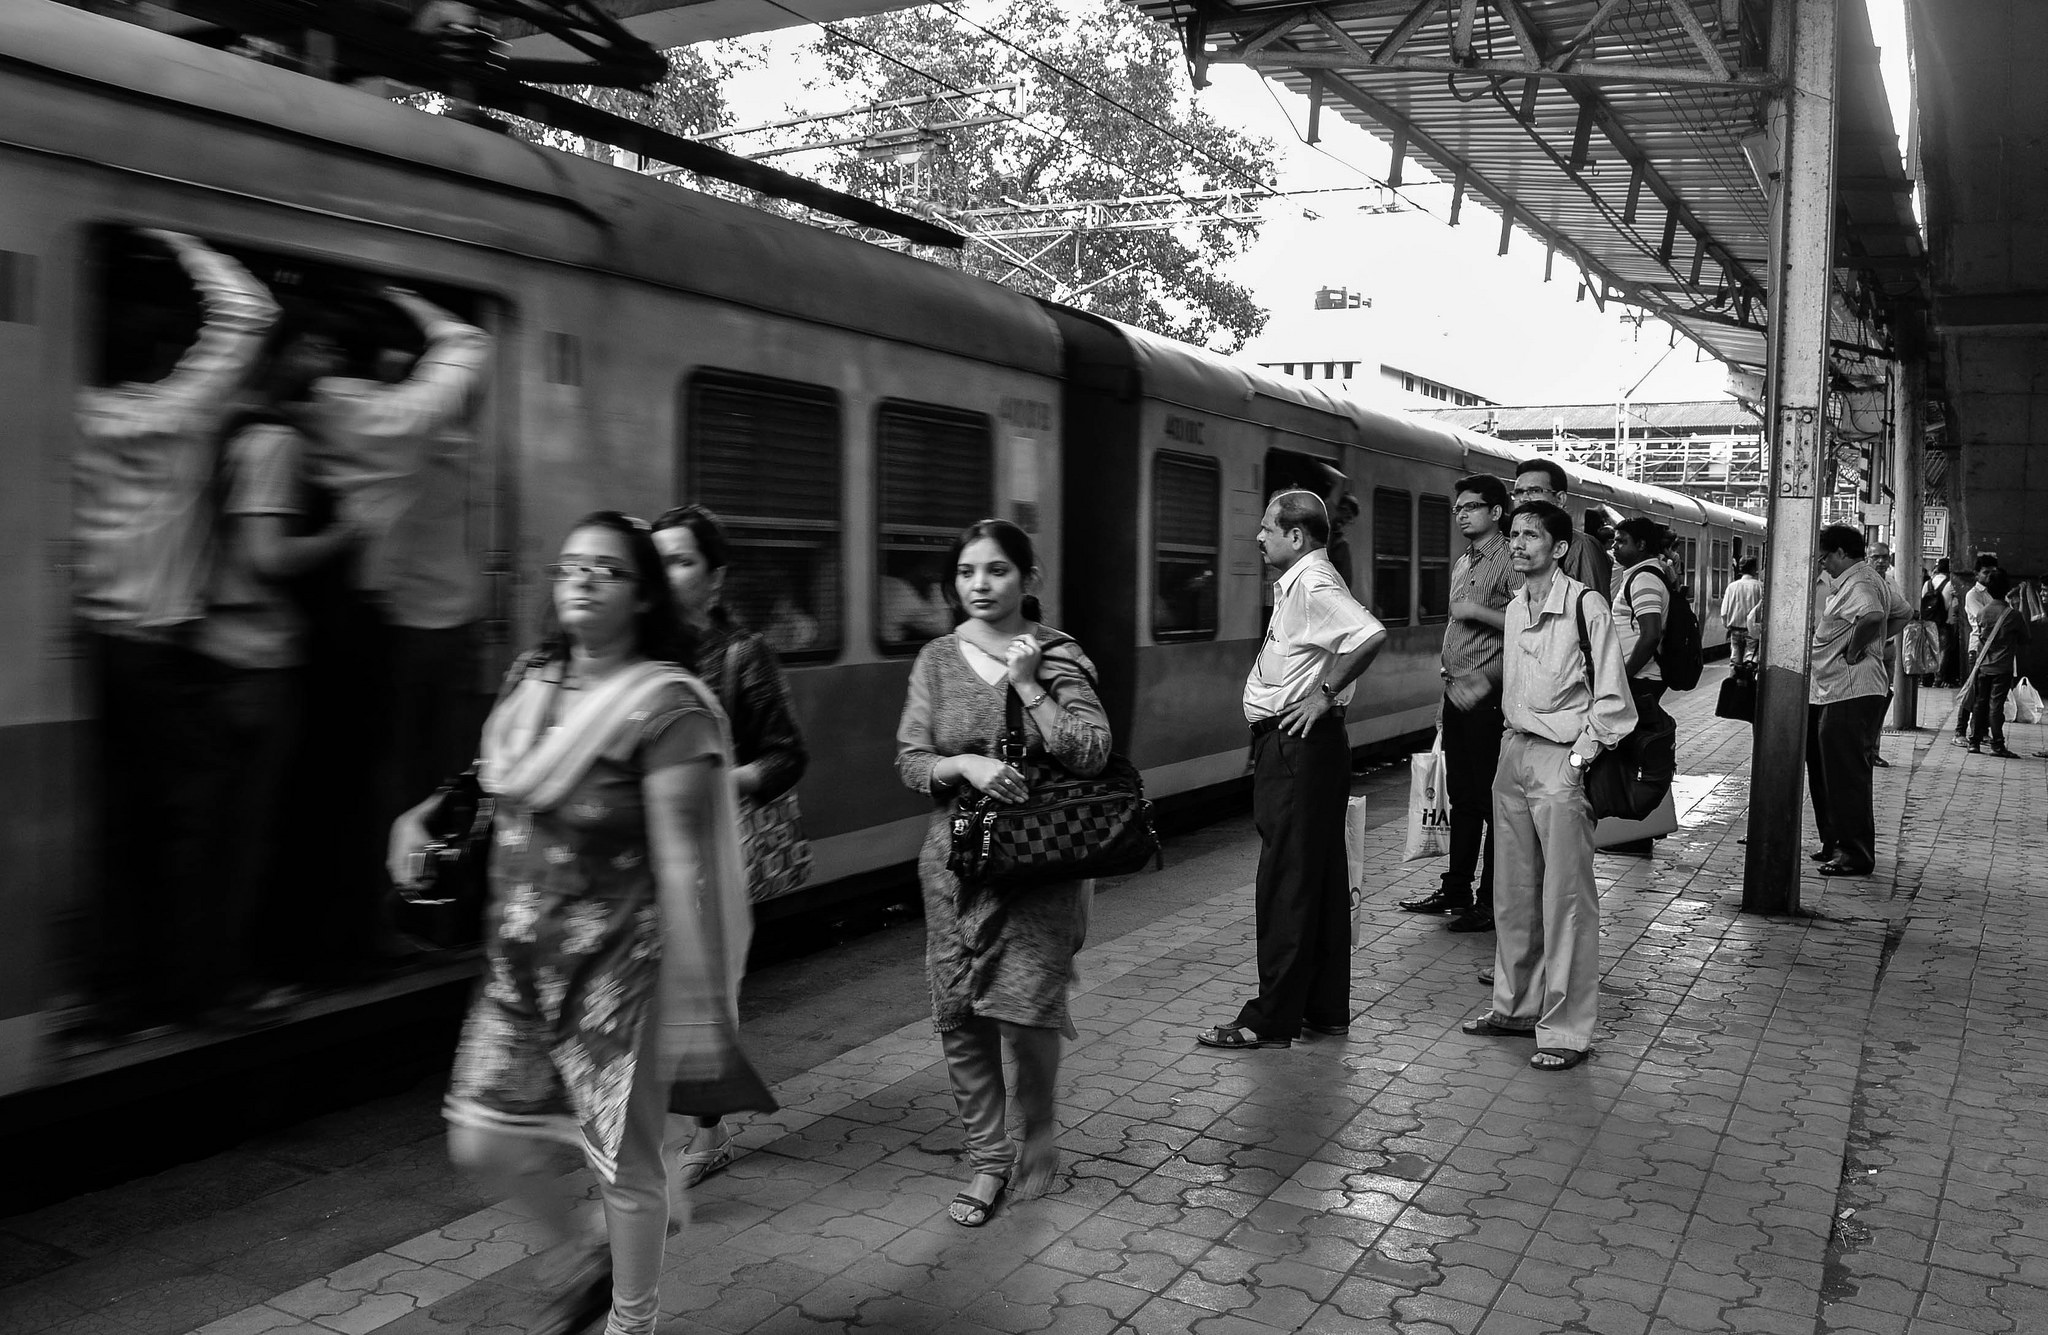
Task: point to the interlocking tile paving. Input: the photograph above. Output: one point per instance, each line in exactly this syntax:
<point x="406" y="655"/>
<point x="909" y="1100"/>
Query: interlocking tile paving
<point x="1815" y="1125"/>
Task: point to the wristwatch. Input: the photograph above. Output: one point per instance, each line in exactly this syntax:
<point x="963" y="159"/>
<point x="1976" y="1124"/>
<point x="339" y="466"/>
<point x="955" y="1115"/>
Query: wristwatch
<point x="1577" y="761"/>
<point x="1329" y="691"/>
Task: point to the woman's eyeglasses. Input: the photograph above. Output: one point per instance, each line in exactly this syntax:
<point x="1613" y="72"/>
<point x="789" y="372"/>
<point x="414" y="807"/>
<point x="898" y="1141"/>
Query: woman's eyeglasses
<point x="562" y="572"/>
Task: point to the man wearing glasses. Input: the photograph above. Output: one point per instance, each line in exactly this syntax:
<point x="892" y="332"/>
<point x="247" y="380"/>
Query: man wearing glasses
<point x="1587" y="562"/>
<point x="1482" y="581"/>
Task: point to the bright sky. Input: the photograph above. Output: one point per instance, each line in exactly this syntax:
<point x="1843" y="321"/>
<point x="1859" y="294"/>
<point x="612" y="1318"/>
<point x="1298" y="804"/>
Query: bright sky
<point x="1445" y="304"/>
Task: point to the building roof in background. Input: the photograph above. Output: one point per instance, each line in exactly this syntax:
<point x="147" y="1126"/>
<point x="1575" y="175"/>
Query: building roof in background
<point x="1581" y="419"/>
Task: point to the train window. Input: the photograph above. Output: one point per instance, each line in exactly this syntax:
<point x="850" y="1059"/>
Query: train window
<point x="764" y="454"/>
<point x="1718" y="573"/>
<point x="1393" y="535"/>
<point x="1433" y="559"/>
<point x="935" y="475"/>
<point x="1187" y="544"/>
<point x="17" y="288"/>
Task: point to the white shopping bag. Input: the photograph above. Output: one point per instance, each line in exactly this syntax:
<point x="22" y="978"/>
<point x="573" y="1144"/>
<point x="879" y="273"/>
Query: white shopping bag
<point x="1429" y="805"/>
<point x="1354" y="862"/>
<point x="2025" y="702"/>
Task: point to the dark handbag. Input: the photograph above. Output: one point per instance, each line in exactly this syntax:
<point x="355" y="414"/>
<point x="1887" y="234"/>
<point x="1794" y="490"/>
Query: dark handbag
<point x="1630" y="778"/>
<point x="731" y="1086"/>
<point x="1738" y="695"/>
<point x="444" y="905"/>
<point x="1069" y="828"/>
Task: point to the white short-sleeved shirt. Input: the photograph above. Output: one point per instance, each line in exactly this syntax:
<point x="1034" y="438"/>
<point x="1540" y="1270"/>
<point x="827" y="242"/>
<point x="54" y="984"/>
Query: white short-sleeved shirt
<point x="253" y="622"/>
<point x="1315" y="619"/>
<point x="1640" y="592"/>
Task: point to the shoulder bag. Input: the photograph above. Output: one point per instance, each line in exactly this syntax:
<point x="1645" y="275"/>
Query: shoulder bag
<point x="1069" y="828"/>
<point x="772" y="832"/>
<point x="444" y="905"/>
<point x="1630" y="778"/>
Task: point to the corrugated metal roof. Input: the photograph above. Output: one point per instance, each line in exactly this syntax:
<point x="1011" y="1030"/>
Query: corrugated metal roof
<point x="1611" y="130"/>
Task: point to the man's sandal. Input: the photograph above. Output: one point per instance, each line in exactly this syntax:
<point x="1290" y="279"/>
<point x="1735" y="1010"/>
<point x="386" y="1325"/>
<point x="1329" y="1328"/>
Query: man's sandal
<point x="1558" y="1059"/>
<point x="1236" y="1037"/>
<point x="1488" y="1025"/>
<point x="971" y="1211"/>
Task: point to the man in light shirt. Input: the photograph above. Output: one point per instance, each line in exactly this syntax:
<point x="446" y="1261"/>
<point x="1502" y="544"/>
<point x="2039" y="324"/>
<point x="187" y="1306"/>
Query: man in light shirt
<point x="1847" y="690"/>
<point x="1640" y="609"/>
<point x="1316" y="645"/>
<point x="1566" y="699"/>
<point x="1740" y="609"/>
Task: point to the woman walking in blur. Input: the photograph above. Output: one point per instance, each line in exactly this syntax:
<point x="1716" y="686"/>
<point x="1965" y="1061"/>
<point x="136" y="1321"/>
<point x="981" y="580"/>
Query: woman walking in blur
<point x="1000" y="962"/>
<point x="739" y="668"/>
<point x="617" y="926"/>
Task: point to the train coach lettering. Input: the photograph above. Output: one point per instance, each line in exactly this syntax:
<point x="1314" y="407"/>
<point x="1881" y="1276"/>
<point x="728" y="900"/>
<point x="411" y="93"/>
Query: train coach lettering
<point x="1186" y="430"/>
<point x="1030" y="414"/>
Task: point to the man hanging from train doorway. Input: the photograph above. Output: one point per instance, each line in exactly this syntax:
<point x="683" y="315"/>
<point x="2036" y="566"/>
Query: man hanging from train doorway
<point x="1587" y="561"/>
<point x="1481" y="584"/>
<point x="1317" y="644"/>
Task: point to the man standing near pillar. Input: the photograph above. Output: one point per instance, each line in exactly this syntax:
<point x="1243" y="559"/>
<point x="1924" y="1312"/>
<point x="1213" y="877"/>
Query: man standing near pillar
<point x="1849" y="687"/>
<point x="1481" y="584"/>
<point x="1316" y="645"/>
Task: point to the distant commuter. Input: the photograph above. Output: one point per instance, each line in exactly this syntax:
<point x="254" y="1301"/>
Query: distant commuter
<point x="1742" y="612"/>
<point x="1339" y="550"/>
<point x="146" y="469"/>
<point x="1545" y="480"/>
<point x="1317" y="643"/>
<point x="1641" y="607"/>
<point x="1559" y="719"/>
<point x="740" y="670"/>
<point x="1979" y="599"/>
<point x="999" y="962"/>
<point x="1960" y="582"/>
<point x="1470" y="665"/>
<point x="2005" y="630"/>
<point x="1599" y="525"/>
<point x="1846" y="694"/>
<point x="618" y="921"/>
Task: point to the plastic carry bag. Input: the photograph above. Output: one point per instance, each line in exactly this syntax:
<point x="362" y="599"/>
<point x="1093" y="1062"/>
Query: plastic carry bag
<point x="1429" y="805"/>
<point x="1920" y="649"/>
<point x="1354" y="862"/>
<point x="2026" y="702"/>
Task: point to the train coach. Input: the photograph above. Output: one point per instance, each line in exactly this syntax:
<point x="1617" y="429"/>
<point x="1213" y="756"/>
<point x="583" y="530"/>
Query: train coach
<point x="845" y="408"/>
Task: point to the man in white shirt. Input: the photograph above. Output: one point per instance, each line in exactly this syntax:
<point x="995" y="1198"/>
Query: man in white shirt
<point x="1316" y="645"/>
<point x="1640" y="607"/>
<point x="1740" y="609"/>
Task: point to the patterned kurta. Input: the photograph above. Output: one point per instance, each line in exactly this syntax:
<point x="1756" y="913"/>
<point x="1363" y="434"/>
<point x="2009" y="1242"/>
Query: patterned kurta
<point x="573" y="944"/>
<point x="1005" y="955"/>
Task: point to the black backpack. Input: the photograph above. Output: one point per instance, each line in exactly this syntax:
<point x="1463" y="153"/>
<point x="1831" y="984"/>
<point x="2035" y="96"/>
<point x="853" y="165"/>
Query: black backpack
<point x="1679" y="656"/>
<point x="1631" y="779"/>
<point x="1934" y="607"/>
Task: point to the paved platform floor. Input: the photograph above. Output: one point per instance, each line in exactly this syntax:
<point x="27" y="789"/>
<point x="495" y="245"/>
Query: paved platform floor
<point x="1831" y="1123"/>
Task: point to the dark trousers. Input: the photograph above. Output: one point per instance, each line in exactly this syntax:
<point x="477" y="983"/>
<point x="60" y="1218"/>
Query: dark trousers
<point x="1471" y="755"/>
<point x="258" y="721"/>
<point x="1952" y="668"/>
<point x="1987" y="708"/>
<point x="164" y="774"/>
<point x="1838" y="770"/>
<point x="1299" y="787"/>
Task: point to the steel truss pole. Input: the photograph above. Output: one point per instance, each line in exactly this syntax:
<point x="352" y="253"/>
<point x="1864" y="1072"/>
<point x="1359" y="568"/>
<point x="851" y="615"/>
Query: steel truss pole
<point x="1909" y="387"/>
<point x="1803" y="47"/>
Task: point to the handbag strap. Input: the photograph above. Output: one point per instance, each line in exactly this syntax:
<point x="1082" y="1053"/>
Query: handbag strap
<point x="1013" y="703"/>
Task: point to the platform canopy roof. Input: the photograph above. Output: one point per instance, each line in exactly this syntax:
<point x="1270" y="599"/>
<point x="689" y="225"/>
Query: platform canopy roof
<point x="1625" y="135"/>
<point x="663" y="24"/>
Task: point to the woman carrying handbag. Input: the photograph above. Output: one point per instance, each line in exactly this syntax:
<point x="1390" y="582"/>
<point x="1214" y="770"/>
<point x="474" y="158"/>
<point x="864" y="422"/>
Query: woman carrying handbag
<point x="617" y="925"/>
<point x="1000" y="960"/>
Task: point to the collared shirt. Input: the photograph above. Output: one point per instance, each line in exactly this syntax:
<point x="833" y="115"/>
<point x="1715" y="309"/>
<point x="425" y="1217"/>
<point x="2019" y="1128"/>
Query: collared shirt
<point x="1483" y="576"/>
<point x="1857" y="593"/>
<point x="1545" y="689"/>
<point x="1975" y="604"/>
<point x="1588" y="562"/>
<point x="1315" y="619"/>
<point x="254" y="622"/>
<point x="1739" y="605"/>
<point x="1643" y="593"/>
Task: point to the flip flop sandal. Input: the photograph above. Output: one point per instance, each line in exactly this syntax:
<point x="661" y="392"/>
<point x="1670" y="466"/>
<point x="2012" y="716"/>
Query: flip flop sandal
<point x="1233" y="1036"/>
<point x="978" y="1210"/>
<point x="1488" y="1026"/>
<point x="1558" y="1059"/>
<point x="696" y="1165"/>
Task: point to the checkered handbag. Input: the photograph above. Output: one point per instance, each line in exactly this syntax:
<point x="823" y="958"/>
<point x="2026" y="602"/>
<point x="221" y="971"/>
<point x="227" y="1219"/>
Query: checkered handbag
<point x="772" y="838"/>
<point x="1069" y="828"/>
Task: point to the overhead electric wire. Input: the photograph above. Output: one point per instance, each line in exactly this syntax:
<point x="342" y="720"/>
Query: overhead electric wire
<point x="1345" y="163"/>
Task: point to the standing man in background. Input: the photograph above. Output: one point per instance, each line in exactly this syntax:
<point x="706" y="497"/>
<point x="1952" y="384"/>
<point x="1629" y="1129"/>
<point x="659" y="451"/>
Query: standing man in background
<point x="1846" y="695"/>
<point x="1481" y="584"/>
<point x="1587" y="562"/>
<point x="1316" y="645"/>
<point x="1739" y="608"/>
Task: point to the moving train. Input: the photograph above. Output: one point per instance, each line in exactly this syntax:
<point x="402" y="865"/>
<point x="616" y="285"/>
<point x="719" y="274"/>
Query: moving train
<point x="846" y="408"/>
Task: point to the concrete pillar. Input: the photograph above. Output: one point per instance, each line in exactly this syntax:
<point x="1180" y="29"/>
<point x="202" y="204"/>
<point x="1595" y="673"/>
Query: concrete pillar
<point x="1909" y="390"/>
<point x="1802" y="122"/>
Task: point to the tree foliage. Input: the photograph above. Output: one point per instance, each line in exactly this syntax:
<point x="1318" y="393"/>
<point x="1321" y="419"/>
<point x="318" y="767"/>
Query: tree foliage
<point x="1071" y="143"/>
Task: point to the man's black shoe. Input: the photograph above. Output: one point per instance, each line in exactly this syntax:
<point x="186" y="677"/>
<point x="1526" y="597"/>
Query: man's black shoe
<point x="1328" y="1030"/>
<point x="1471" y="920"/>
<point x="1440" y="902"/>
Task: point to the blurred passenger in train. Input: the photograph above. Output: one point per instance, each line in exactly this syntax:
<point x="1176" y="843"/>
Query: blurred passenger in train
<point x="1566" y="699"/>
<point x="739" y="668"/>
<point x="618" y="923"/>
<point x="1846" y="696"/>
<point x="1742" y="612"/>
<point x="1545" y="480"/>
<point x="1641" y="608"/>
<point x="145" y="472"/>
<point x="915" y="606"/>
<point x="1481" y="584"/>
<point x="1339" y="550"/>
<point x="1317" y="643"/>
<point x="1599" y="525"/>
<point x="1000" y="962"/>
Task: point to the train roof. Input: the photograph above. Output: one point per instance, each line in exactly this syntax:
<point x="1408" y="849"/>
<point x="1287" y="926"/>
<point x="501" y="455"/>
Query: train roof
<point x="602" y="218"/>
